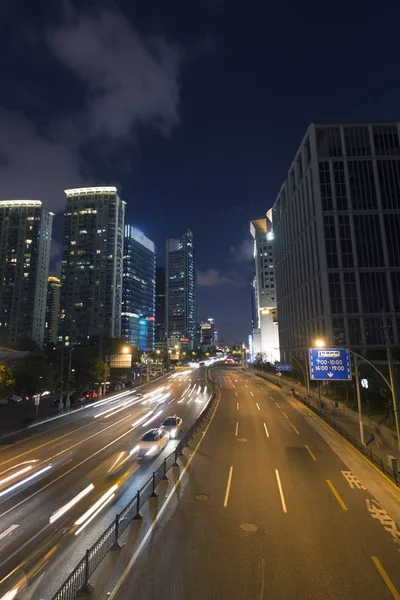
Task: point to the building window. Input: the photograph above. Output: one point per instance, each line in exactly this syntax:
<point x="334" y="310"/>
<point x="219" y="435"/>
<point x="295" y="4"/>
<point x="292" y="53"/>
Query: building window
<point x="368" y="241"/>
<point x="357" y="141"/>
<point x="374" y="331"/>
<point x="392" y="229"/>
<point x="386" y="140"/>
<point x="330" y="242"/>
<point x="329" y="142"/>
<point x="354" y="332"/>
<point x="345" y="241"/>
<point x="340" y="186"/>
<point x="338" y="331"/>
<point x="395" y="275"/>
<point x="335" y="293"/>
<point x="389" y="182"/>
<point x="350" y="292"/>
<point x="374" y="292"/>
<point x="326" y="188"/>
<point x="362" y="185"/>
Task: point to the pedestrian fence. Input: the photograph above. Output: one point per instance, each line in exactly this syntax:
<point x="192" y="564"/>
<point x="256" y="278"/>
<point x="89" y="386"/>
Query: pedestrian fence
<point x="393" y="474"/>
<point x="78" y="580"/>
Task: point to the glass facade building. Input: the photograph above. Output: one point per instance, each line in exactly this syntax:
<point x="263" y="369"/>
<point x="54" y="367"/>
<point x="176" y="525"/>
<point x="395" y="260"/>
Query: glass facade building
<point x="180" y="296"/>
<point x="138" y="290"/>
<point x="25" y="238"/>
<point x="91" y="267"/>
<point x="337" y="222"/>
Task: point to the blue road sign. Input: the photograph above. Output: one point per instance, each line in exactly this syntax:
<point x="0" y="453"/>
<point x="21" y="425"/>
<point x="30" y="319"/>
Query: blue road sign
<point x="283" y="367"/>
<point x="330" y="364"/>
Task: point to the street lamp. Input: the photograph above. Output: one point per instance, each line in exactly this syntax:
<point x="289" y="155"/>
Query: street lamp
<point x="125" y="349"/>
<point x="319" y="343"/>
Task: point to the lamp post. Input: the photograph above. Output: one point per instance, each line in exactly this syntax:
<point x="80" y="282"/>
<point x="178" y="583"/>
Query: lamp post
<point x="319" y="343"/>
<point x="305" y="375"/>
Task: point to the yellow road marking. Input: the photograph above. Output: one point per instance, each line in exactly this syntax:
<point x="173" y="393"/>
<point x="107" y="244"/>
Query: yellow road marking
<point x="336" y="494"/>
<point x="295" y="428"/>
<point x="311" y="453"/>
<point x="386" y="578"/>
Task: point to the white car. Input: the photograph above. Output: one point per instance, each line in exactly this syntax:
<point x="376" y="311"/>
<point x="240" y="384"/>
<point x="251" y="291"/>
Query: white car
<point x="172" y="425"/>
<point x="153" y="442"/>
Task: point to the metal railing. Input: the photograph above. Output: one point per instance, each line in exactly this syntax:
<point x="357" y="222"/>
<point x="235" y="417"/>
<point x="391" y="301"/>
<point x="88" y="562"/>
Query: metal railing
<point x="373" y="458"/>
<point x="78" y="580"/>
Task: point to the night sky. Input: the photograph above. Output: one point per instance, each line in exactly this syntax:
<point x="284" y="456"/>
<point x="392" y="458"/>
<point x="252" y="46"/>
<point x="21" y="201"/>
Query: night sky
<point x="194" y="110"/>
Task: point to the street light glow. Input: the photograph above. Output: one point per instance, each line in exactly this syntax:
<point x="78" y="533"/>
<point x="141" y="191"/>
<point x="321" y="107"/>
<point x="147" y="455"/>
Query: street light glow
<point x="320" y="343"/>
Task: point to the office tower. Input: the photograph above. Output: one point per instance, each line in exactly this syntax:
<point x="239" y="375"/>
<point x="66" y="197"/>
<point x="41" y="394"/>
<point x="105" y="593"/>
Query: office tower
<point x="91" y="267"/>
<point x="180" y="296"/>
<point x="265" y="332"/>
<point x="25" y="238"/>
<point x="52" y="310"/>
<point x="138" y="289"/>
<point x="207" y="334"/>
<point x="336" y="223"/>
<point x="160" y="305"/>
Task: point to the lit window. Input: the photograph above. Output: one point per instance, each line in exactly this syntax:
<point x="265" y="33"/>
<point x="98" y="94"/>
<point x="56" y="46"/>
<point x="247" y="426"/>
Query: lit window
<point x="98" y="251"/>
<point x="26" y="274"/>
<point x="73" y="242"/>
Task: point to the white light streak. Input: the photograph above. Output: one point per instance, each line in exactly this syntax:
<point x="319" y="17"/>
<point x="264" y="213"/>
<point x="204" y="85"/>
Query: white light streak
<point x="17" y="485"/>
<point x="96" y="505"/>
<point x="61" y="511"/>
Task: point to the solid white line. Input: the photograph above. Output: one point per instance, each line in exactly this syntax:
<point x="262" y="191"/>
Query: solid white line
<point x="8" y="531"/>
<point x="258" y="406"/>
<point x="251" y="393"/>
<point x="228" y="487"/>
<point x="295" y="429"/>
<point x="266" y="430"/>
<point x="281" y="491"/>
<point x="237" y="428"/>
<point x="237" y="405"/>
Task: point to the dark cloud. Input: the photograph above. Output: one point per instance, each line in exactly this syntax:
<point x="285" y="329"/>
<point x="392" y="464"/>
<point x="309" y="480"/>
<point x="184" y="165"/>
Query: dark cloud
<point x="213" y="278"/>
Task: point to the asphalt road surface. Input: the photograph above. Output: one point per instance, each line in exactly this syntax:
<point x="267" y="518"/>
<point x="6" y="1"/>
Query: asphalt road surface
<point x="268" y="512"/>
<point x="48" y="466"/>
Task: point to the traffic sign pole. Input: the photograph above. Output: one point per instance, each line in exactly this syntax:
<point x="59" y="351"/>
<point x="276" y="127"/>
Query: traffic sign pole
<point x="357" y="376"/>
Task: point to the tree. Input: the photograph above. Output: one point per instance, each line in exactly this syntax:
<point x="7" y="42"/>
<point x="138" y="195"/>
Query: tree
<point x="35" y="375"/>
<point x="100" y="371"/>
<point x="7" y="380"/>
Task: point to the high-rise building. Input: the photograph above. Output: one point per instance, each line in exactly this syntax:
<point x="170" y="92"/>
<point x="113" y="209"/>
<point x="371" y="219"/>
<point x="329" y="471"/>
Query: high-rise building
<point x="180" y="296"/>
<point x="160" y="305"/>
<point x="207" y="334"/>
<point x="336" y="224"/>
<point x="138" y="289"/>
<point x="265" y="333"/>
<point x="25" y="238"/>
<point x="91" y="268"/>
<point x="52" y="310"/>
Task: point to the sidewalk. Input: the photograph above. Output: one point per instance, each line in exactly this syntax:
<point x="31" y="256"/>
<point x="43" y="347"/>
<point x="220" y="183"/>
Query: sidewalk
<point x="380" y="439"/>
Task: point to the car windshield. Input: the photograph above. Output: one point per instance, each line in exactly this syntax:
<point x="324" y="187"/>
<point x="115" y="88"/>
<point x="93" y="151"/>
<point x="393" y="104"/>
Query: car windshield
<point x="150" y="436"/>
<point x="170" y="421"/>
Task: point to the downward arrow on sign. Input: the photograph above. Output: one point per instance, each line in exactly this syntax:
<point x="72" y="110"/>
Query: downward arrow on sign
<point x="330" y="374"/>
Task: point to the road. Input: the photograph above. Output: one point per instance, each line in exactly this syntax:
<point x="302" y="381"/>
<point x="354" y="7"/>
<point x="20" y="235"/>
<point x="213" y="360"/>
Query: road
<point x="268" y="511"/>
<point x="67" y="456"/>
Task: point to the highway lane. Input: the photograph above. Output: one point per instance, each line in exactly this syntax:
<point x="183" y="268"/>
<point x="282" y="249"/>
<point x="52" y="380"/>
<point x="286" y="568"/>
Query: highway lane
<point x="282" y="517"/>
<point x="87" y="448"/>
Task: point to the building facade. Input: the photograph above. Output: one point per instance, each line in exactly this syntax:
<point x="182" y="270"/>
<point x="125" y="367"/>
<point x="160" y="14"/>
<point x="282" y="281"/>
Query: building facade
<point x="265" y="333"/>
<point x="91" y="267"/>
<point x="25" y="239"/>
<point x="336" y="224"/>
<point x="52" y="310"/>
<point x="180" y="292"/>
<point x="207" y="334"/>
<point x="138" y="290"/>
<point x="160" y="305"/>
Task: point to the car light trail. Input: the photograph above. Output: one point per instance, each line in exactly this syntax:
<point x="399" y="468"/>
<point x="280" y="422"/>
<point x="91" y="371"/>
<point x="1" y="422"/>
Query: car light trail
<point x="116" y="462"/>
<point x="14" y="475"/>
<point x="98" y="504"/>
<point x="113" y="411"/>
<point x="11" y="594"/>
<point x="17" y="485"/>
<point x="61" y="511"/>
<point x="94" y="514"/>
<point x="152" y="418"/>
<point x="136" y="423"/>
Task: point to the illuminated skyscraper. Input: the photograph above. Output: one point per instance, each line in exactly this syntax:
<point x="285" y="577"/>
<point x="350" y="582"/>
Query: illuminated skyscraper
<point x="52" y="310"/>
<point x="138" y="289"/>
<point x="25" y="238"/>
<point x="91" y="268"/>
<point x="180" y="297"/>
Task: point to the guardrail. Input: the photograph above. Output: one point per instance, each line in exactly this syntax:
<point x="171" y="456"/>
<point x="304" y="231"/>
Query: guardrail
<point x="78" y="580"/>
<point x="373" y="458"/>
